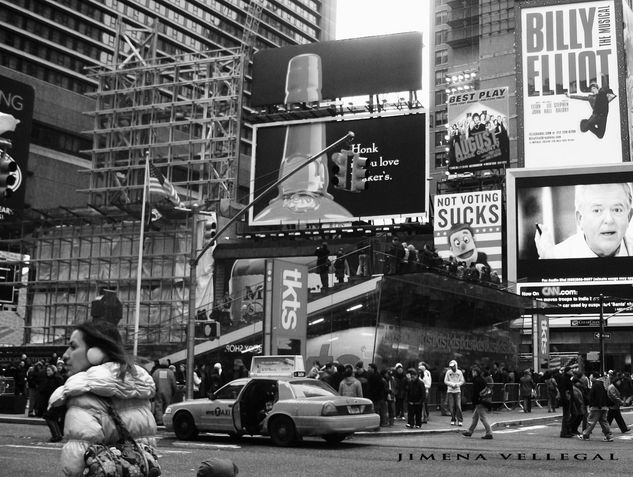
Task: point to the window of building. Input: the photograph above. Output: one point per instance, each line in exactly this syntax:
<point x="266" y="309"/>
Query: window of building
<point x="440" y="159"/>
<point x="440" y="97"/>
<point x="441" y="17"/>
<point x="441" y="57"/>
<point x="440" y="138"/>
<point x="441" y="117"/>
<point x="440" y="77"/>
<point x="441" y="37"/>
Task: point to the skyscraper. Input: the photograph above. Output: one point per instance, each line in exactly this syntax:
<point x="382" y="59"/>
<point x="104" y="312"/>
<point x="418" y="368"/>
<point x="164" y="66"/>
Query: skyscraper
<point x="56" y="47"/>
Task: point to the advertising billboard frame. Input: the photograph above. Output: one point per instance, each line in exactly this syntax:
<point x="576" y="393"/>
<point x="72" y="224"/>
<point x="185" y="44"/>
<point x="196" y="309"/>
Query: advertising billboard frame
<point x="564" y="137"/>
<point x="349" y="67"/>
<point x="483" y="144"/>
<point x="578" y="279"/>
<point x="386" y="160"/>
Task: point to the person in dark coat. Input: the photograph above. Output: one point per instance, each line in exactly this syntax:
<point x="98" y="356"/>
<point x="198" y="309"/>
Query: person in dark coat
<point x="599" y="407"/>
<point x="481" y="407"/>
<point x="400" y="391"/>
<point x="416" y="395"/>
<point x="376" y="391"/>
<point x="395" y="257"/>
<point x="566" y="390"/>
<point x="526" y="387"/>
<point x="323" y="264"/>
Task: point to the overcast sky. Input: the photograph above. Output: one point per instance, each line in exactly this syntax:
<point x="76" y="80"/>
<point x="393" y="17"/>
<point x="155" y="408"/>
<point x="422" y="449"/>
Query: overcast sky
<point x="357" y="18"/>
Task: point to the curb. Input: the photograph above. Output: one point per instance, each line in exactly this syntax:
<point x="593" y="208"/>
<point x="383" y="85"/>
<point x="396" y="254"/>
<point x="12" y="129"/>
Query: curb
<point x="494" y="425"/>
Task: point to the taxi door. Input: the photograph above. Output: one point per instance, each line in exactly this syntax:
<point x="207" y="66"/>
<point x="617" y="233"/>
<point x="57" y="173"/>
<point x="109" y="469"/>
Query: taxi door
<point x="218" y="411"/>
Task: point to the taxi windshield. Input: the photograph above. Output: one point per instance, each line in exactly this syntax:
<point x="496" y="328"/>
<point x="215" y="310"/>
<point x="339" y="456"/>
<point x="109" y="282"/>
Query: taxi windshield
<point x="311" y="388"/>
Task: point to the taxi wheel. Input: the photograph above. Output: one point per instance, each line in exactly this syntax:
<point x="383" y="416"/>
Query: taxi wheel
<point x="334" y="438"/>
<point x="184" y="427"/>
<point x="282" y="432"/>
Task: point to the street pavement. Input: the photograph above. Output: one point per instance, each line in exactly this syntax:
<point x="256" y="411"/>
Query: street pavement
<point x="499" y="419"/>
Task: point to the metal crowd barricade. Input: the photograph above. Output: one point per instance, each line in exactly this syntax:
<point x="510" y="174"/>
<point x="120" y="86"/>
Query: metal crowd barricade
<point x="541" y="394"/>
<point x="511" y="396"/>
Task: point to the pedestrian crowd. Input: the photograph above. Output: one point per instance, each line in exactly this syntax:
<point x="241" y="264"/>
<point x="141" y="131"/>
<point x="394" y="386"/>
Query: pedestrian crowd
<point x="403" y="257"/>
<point x="587" y="401"/>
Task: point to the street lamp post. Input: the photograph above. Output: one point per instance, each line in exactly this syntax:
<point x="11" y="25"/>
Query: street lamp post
<point x="195" y="256"/>
<point x="603" y="322"/>
<point x="601" y="337"/>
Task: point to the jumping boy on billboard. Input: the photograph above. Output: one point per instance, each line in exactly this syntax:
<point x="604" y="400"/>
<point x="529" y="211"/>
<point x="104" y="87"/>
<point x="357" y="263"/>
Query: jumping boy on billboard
<point x="599" y="99"/>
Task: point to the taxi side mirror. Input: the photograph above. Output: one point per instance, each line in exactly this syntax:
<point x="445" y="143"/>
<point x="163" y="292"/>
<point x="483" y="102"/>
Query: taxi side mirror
<point x="212" y="396"/>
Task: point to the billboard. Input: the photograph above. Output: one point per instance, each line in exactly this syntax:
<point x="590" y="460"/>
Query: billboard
<point x="394" y="147"/>
<point x="572" y="107"/>
<point x="338" y="69"/>
<point x="16" y="114"/>
<point x="468" y="226"/>
<point x="478" y="130"/>
<point x="627" y="43"/>
<point x="570" y="236"/>
<point x="286" y="325"/>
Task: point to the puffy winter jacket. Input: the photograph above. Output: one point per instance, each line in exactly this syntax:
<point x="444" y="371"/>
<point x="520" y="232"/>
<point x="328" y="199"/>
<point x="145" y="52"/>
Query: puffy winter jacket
<point x="87" y="420"/>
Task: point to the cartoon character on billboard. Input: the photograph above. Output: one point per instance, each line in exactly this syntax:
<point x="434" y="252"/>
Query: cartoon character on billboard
<point x="462" y="244"/>
<point x="599" y="99"/>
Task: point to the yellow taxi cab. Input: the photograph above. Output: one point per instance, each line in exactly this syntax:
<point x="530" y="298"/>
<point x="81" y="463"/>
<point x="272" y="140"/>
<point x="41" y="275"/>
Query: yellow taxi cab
<point x="285" y="407"/>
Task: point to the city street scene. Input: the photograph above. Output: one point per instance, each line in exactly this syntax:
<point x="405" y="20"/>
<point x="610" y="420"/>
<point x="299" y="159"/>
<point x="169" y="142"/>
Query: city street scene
<point x="316" y="237"/>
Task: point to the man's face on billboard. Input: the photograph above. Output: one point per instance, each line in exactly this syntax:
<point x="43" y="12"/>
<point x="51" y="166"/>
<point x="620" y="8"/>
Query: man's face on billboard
<point x="603" y="216"/>
<point x="463" y="246"/>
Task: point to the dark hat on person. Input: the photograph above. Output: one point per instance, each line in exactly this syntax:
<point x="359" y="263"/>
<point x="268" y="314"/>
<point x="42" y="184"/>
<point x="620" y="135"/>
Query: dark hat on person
<point x="567" y="369"/>
<point x="360" y="364"/>
<point x="412" y="371"/>
<point x="217" y="467"/>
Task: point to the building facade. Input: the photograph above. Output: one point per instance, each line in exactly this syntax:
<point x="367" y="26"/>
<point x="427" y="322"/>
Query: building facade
<point x="75" y="233"/>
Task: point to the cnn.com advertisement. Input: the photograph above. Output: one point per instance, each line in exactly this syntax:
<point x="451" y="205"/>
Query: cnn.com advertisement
<point x="570" y="236"/>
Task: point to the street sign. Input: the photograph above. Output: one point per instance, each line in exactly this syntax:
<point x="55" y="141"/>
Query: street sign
<point x="585" y="322"/>
<point x="606" y="336"/>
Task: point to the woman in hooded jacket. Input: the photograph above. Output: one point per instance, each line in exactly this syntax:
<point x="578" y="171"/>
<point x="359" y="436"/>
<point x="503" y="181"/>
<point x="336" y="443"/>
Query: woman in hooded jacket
<point x="100" y="372"/>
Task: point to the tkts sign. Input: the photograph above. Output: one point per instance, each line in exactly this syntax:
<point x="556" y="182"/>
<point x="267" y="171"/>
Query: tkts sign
<point x="286" y="294"/>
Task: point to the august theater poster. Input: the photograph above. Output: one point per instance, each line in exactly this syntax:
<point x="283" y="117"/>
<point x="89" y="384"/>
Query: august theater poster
<point x="570" y="95"/>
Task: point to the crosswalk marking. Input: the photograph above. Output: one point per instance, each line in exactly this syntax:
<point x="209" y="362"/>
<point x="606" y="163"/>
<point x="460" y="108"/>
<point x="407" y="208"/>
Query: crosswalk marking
<point x="520" y="429"/>
<point x="205" y="445"/>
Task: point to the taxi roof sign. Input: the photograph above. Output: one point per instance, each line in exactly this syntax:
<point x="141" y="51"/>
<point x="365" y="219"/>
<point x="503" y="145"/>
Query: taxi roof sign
<point x="277" y="365"/>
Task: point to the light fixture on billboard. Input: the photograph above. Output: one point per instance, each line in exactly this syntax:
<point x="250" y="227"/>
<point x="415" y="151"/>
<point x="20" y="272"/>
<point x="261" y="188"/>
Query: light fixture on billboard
<point x="454" y="78"/>
<point x="318" y="320"/>
<point x="355" y="307"/>
<point x="304" y="196"/>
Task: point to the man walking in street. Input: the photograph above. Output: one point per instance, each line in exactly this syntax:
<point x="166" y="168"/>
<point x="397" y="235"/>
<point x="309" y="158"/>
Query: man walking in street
<point x="599" y="406"/>
<point x="454" y="379"/>
<point x="481" y="404"/>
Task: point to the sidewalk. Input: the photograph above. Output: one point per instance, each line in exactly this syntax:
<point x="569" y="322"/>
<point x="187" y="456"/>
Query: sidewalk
<point x="498" y="420"/>
<point x="437" y="423"/>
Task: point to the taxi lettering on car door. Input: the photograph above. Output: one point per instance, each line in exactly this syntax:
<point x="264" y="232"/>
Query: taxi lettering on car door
<point x="217" y="415"/>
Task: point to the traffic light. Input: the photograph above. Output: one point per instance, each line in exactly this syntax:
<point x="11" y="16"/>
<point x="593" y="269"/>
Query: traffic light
<point x="341" y="168"/>
<point x="210" y="227"/>
<point x="205" y="328"/>
<point x="359" y="174"/>
<point x="7" y="167"/>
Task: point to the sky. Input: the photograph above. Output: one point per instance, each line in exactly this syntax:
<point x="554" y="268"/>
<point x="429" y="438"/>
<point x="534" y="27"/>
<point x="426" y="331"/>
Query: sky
<point x="356" y="18"/>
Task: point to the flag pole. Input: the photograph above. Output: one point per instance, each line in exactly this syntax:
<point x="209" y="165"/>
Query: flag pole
<point x="139" y="269"/>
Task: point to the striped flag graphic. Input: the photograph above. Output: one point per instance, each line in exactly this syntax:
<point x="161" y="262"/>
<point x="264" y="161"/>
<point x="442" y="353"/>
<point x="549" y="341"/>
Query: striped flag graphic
<point x="161" y="187"/>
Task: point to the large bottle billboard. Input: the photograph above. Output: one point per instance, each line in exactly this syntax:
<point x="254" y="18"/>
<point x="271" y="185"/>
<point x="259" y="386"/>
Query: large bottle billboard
<point x="572" y="106"/>
<point x="395" y="186"/>
<point x="16" y="114"/>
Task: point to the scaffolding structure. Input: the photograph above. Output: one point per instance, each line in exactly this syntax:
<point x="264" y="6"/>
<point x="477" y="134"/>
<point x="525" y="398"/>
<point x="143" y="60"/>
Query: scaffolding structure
<point x="183" y="114"/>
